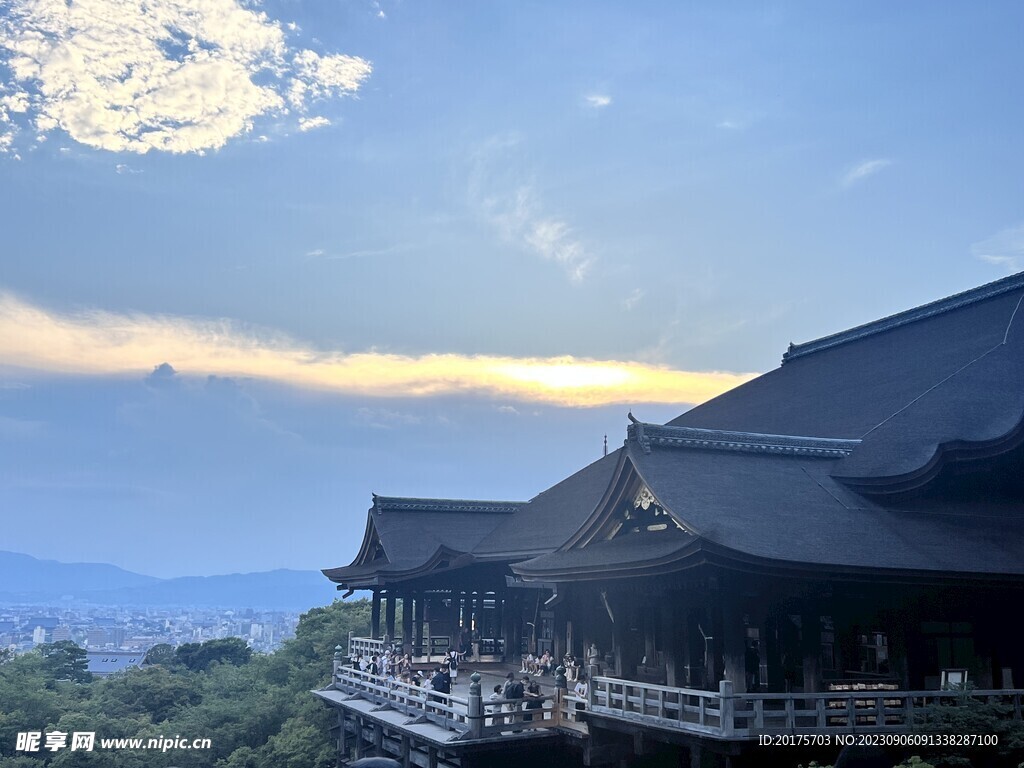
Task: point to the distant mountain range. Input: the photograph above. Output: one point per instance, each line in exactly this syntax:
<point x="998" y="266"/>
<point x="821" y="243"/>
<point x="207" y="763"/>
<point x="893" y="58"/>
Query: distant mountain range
<point x="26" y="579"/>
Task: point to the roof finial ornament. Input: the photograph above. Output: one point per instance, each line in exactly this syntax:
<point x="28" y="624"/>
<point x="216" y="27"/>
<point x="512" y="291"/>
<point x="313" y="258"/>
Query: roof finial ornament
<point x="633" y="418"/>
<point x="606" y="445"/>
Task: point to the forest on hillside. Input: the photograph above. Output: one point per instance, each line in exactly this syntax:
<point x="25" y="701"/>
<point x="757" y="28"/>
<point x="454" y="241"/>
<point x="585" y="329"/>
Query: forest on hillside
<point x="256" y="710"/>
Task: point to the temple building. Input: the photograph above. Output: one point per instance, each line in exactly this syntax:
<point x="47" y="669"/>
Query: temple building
<point x="851" y="519"/>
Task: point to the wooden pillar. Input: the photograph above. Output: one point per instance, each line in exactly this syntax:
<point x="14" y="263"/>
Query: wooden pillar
<point x="734" y="638"/>
<point x="407" y="622"/>
<point x="649" y="621"/>
<point x="389" y="615"/>
<point x="418" y="625"/>
<point x="359" y="751"/>
<point x="516" y="622"/>
<point x="406" y="756"/>
<point x="375" y="615"/>
<point x="810" y="637"/>
<point x="499" y="615"/>
<point x="666" y="615"/>
<point x="342" y="737"/>
<point x="558" y="630"/>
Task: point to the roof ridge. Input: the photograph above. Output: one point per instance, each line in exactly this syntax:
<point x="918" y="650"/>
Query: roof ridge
<point x="409" y="504"/>
<point x="647" y="435"/>
<point x="907" y="316"/>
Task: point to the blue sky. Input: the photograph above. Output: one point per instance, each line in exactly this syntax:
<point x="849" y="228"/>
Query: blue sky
<point x="441" y="249"/>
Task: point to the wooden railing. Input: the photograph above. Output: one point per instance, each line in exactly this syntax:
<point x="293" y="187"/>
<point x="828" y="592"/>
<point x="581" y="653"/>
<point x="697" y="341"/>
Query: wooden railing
<point x="470" y="717"/>
<point x="365" y="646"/>
<point x="683" y="708"/>
<point x="747" y="715"/>
<point x="444" y="709"/>
<point x="851" y="712"/>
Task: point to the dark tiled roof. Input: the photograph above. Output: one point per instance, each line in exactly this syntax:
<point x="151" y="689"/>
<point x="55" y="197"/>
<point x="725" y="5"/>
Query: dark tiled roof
<point x="552" y="516"/>
<point x="415" y="532"/>
<point x="788" y="510"/>
<point x="859" y="379"/>
<point x="923" y="312"/>
<point x="608" y="558"/>
<point x="972" y="412"/>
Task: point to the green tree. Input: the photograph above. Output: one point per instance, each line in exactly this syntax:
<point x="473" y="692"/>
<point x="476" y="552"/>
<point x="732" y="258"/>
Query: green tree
<point x="66" y="661"/>
<point x="199" y="656"/>
<point x="969" y="715"/>
<point x="161" y="653"/>
<point x="153" y="691"/>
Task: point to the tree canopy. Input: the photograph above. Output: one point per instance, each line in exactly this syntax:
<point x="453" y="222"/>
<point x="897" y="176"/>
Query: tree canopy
<point x="255" y="709"/>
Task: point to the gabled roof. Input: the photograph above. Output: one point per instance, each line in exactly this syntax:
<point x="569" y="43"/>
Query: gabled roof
<point x="841" y="459"/>
<point x="769" y="509"/>
<point x="416" y="536"/>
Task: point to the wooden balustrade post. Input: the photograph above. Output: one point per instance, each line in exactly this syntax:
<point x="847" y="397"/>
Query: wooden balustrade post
<point x="726" y="708"/>
<point x="339" y="658"/>
<point x="475" y="707"/>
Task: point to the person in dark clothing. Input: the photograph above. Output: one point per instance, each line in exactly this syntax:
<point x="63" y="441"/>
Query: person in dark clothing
<point x="440" y="683"/>
<point x="533" y="701"/>
<point x="514" y="693"/>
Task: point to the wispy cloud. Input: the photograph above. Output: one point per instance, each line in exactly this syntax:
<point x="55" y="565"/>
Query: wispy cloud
<point x="597" y="100"/>
<point x="166" y="75"/>
<point x="323" y="255"/>
<point x="633" y="299"/>
<point x="385" y="418"/>
<point x="863" y="170"/>
<point x="104" y="343"/>
<point x="312" y="123"/>
<point x="513" y="207"/>
<point x="1004" y="249"/>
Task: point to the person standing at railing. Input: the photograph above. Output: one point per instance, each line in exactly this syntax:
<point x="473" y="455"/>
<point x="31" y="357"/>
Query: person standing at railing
<point x="495" y="696"/>
<point x="513" y="693"/>
<point x="440" y="683"/>
<point x="534" y="700"/>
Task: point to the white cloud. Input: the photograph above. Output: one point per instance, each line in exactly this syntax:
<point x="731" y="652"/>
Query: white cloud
<point x="862" y="170"/>
<point x="312" y="123"/>
<point x="122" y="169"/>
<point x="730" y="125"/>
<point x="598" y="100"/>
<point x="104" y="343"/>
<point x="167" y="75"/>
<point x="516" y="212"/>
<point x="1004" y="249"/>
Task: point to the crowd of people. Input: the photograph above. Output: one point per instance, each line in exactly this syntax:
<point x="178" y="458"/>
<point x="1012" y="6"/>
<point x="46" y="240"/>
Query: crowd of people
<point x="397" y="666"/>
<point x="514" y="695"/>
<point x="539" y="666"/>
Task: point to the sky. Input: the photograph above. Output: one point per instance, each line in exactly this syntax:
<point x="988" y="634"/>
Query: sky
<point x="259" y="260"/>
